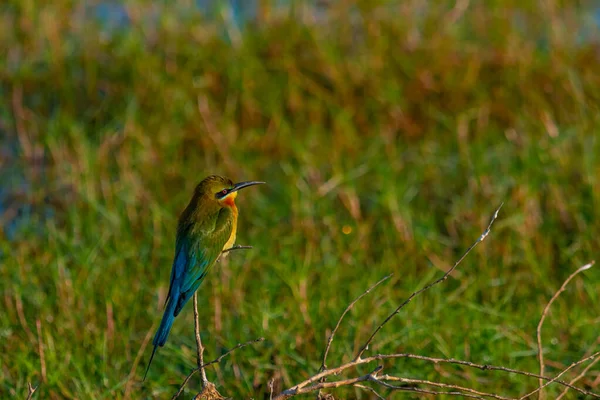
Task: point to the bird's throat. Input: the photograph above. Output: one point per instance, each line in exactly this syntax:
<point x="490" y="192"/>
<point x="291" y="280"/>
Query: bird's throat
<point x="230" y="202"/>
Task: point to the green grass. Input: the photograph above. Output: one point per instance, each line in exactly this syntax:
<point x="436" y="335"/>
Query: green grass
<point x="408" y="126"/>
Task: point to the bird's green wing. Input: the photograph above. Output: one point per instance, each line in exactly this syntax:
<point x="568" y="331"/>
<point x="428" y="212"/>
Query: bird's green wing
<point x="197" y="249"/>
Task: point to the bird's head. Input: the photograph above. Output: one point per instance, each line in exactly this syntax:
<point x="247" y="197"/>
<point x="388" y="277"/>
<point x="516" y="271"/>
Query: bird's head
<point x="221" y="191"/>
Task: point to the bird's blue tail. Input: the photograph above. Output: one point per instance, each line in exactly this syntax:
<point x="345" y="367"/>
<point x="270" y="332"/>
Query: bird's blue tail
<point x="163" y="330"/>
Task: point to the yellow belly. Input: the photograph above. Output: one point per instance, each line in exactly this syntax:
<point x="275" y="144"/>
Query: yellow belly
<point x="231" y="240"/>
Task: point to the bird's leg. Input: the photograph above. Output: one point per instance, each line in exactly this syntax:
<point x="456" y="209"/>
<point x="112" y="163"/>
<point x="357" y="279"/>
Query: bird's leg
<point x="199" y="347"/>
<point x="236" y="247"/>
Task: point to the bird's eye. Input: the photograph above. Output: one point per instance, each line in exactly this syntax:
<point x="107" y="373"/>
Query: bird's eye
<point x="221" y="194"/>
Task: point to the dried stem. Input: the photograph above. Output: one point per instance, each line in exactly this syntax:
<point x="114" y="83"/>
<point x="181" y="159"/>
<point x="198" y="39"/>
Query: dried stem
<point x="199" y="346"/>
<point x="441" y="385"/>
<point x="425" y="391"/>
<point x="543" y="317"/>
<point x="578" y="377"/>
<point x="216" y="360"/>
<point x="370" y="389"/>
<point x="443" y="278"/>
<point x="564" y="371"/>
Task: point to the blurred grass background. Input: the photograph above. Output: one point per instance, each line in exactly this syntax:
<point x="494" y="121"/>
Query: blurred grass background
<point x="387" y="131"/>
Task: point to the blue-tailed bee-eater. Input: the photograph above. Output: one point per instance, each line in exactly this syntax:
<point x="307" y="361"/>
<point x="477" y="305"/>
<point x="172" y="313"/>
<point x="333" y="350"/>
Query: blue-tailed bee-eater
<point x="206" y="227"/>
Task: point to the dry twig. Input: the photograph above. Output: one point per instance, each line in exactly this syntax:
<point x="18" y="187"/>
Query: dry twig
<point x="578" y="377"/>
<point x="543" y="317"/>
<point x="483" y="367"/>
<point x="199" y="347"/>
<point x="564" y="371"/>
<point x="370" y="389"/>
<point x="442" y="385"/>
<point x="426" y="391"/>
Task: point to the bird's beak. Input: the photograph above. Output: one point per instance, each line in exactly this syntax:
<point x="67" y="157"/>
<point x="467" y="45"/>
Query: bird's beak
<point x="242" y="185"/>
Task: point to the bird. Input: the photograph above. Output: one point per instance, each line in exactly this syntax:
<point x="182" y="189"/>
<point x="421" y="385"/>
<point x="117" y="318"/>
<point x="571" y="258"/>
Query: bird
<point x="206" y="227"/>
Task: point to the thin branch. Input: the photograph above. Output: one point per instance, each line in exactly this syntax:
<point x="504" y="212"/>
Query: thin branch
<point x="199" y="346"/>
<point x="443" y="278"/>
<point x="564" y="371"/>
<point x="425" y="391"/>
<point x="216" y="360"/>
<point x="370" y="389"/>
<point x="543" y="317"/>
<point x="330" y="339"/>
<point x="483" y="367"/>
<point x="30" y="390"/>
<point x="441" y="385"/>
<point x="578" y="377"/>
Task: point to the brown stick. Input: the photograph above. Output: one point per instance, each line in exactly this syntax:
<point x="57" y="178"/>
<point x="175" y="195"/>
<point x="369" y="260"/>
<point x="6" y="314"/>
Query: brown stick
<point x="442" y="385"/>
<point x="199" y="347"/>
<point x="426" y="391"/>
<point x="370" y="389"/>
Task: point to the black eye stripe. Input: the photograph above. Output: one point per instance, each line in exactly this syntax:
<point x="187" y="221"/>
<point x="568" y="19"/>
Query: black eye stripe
<point x="221" y="193"/>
